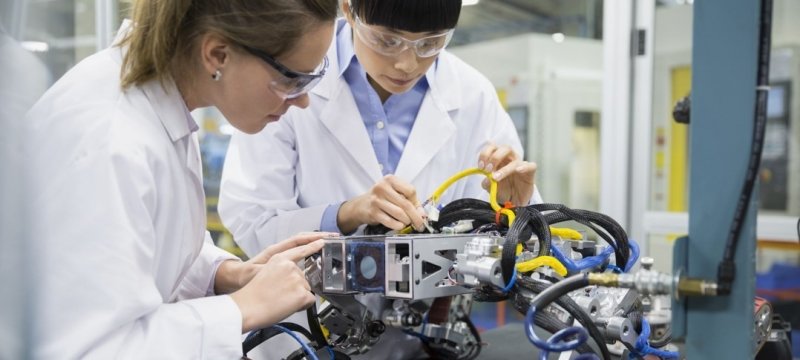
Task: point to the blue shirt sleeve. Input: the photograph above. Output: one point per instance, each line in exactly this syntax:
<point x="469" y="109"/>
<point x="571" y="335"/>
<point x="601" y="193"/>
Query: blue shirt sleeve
<point x="328" y="222"/>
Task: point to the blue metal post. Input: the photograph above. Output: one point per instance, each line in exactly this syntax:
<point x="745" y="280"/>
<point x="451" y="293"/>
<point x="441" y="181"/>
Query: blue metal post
<point x="724" y="59"/>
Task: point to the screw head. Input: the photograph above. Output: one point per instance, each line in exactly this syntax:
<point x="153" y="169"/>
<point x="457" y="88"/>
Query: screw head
<point x="647" y="262"/>
<point x="416" y="256"/>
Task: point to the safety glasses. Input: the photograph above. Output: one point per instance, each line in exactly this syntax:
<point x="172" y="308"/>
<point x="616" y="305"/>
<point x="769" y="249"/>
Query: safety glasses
<point x="392" y="45"/>
<point x="291" y="84"/>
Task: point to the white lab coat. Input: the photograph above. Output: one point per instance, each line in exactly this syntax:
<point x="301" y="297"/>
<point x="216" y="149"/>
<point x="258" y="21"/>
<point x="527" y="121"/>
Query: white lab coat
<point x="119" y="223"/>
<point x="278" y="182"/>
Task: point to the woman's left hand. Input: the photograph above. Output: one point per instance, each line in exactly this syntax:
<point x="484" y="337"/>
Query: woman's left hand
<point x="514" y="176"/>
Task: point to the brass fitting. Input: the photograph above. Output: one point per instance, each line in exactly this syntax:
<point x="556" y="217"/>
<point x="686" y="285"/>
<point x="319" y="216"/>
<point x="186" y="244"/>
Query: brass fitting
<point x="696" y="287"/>
<point x="604" y="279"/>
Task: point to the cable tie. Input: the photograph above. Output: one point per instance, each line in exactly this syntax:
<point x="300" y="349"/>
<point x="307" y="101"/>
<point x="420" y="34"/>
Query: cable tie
<point x="507" y="205"/>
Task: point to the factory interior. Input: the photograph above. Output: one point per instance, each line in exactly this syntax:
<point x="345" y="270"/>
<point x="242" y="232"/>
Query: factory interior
<point x="664" y="136"/>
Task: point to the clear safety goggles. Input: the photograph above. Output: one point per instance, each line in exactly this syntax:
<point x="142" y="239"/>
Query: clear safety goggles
<point x="393" y="45"/>
<point x="291" y="84"/>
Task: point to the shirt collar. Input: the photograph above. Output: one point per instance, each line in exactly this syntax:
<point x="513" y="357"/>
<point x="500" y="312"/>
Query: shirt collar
<point x="345" y="51"/>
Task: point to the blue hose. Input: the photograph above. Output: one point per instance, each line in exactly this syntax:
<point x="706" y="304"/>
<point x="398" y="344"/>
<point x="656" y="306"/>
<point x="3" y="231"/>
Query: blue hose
<point x="511" y="282"/>
<point x="582" y="264"/>
<point x="310" y="352"/>
<point x="556" y="342"/>
<point x="634" y="255"/>
<point x="643" y="345"/>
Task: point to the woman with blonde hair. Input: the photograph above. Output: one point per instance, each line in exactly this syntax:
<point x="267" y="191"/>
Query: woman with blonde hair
<point x="119" y="214"/>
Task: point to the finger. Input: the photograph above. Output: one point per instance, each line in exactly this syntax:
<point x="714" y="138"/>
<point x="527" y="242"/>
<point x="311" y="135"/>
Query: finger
<point x="403" y="188"/>
<point x="506" y="170"/>
<point x="406" y="213"/>
<point x="522" y="171"/>
<point x="301" y="252"/>
<point x="501" y="157"/>
<point x="302" y="279"/>
<point x="485" y="154"/>
<point x="526" y="168"/>
<point x="389" y="221"/>
<point x="485" y="184"/>
<point x="406" y="199"/>
<point x="309" y="300"/>
<point x="299" y="240"/>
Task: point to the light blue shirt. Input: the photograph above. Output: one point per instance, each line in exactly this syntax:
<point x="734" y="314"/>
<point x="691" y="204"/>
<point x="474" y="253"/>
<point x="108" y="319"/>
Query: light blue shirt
<point x="388" y="124"/>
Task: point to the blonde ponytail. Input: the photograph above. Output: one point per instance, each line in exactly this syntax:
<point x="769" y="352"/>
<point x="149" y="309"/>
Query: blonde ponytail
<point x="153" y="39"/>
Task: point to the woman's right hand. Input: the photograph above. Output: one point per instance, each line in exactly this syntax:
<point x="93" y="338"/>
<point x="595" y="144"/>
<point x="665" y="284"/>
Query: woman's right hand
<point x="278" y="290"/>
<point x="391" y="202"/>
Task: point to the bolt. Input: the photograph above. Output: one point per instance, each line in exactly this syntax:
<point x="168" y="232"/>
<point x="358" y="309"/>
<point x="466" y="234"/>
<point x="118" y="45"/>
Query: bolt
<point x="647" y="262"/>
<point x="416" y="281"/>
<point x="416" y="256"/>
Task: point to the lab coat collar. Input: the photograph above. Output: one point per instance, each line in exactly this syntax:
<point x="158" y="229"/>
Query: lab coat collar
<point x="170" y="108"/>
<point x="165" y="97"/>
<point x="432" y="129"/>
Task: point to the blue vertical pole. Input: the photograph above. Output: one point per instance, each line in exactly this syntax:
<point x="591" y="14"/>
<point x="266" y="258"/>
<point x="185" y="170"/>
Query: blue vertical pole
<point x="724" y="61"/>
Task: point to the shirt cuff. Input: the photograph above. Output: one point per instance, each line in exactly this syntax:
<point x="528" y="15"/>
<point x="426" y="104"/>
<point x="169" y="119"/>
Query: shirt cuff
<point x="328" y="222"/>
<point x="217" y="263"/>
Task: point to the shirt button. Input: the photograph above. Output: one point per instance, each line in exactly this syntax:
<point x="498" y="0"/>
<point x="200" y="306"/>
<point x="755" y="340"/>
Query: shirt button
<point x="380" y="125"/>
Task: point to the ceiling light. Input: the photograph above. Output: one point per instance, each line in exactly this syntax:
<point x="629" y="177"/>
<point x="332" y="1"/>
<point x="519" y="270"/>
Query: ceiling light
<point x="469" y="2"/>
<point x="35" y="46"/>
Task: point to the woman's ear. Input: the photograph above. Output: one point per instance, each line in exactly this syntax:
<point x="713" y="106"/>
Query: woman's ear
<point x="347" y="11"/>
<point x="215" y="53"/>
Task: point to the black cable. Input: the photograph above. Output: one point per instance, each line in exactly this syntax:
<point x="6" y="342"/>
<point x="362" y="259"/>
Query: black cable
<point x="660" y="343"/>
<point x="726" y="271"/>
<point x="300" y="354"/>
<point x="551" y="324"/>
<point x="632" y="351"/>
<point x="480" y="212"/>
<point x="521" y="304"/>
<point x="314" y="326"/>
<point x="527" y="221"/>
<point x="476" y="349"/>
<point x="619" y="243"/>
<point x="559" y="289"/>
<point x="508" y="257"/>
<point x="611" y="229"/>
<point x="542" y="229"/>
<point x="259" y="336"/>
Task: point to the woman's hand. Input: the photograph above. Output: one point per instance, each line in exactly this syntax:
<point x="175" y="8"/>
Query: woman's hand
<point x="515" y="177"/>
<point x="232" y="275"/>
<point x="391" y="202"/>
<point x="279" y="288"/>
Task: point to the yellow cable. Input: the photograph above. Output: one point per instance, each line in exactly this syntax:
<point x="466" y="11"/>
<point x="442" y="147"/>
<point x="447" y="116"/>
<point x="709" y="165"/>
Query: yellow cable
<point x="550" y="261"/>
<point x="492" y="191"/>
<point x="565" y="233"/>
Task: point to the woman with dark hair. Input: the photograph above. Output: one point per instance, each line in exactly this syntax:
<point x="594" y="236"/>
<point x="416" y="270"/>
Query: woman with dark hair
<point x="129" y="270"/>
<point x="394" y="117"/>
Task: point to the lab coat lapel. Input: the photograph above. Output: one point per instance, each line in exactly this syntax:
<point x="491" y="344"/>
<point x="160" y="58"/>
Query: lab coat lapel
<point x="433" y="126"/>
<point x="171" y="111"/>
<point x="341" y="117"/>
